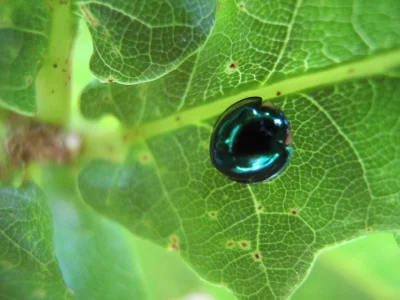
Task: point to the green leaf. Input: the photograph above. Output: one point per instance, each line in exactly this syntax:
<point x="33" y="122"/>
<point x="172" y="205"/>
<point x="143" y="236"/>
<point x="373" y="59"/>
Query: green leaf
<point x="341" y="184"/>
<point x="139" y="41"/>
<point x="28" y="266"/>
<point x="169" y="277"/>
<point x="253" y="46"/>
<point x="96" y="256"/>
<point x="24" y="33"/>
<point x="334" y="65"/>
<point x="363" y="269"/>
<point x="35" y="47"/>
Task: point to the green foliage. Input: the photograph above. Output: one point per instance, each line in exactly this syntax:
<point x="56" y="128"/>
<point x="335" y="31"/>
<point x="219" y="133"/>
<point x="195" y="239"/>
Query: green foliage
<point x="254" y="45"/>
<point x="331" y="66"/>
<point x="96" y="255"/>
<point x="341" y="184"/>
<point x="168" y="191"/>
<point x="357" y="270"/>
<point x="139" y="41"/>
<point x="28" y="266"/>
<point x="92" y="251"/>
<point x="24" y="33"/>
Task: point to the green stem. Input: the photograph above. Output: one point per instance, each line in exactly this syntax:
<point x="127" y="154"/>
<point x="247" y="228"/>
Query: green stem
<point x="53" y="81"/>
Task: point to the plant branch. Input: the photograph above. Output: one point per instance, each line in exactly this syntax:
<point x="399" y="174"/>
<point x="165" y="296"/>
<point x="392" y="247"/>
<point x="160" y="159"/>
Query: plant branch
<point x="53" y="81"/>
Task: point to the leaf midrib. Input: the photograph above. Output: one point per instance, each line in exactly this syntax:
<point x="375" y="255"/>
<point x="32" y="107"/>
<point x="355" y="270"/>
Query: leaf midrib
<point x="371" y="66"/>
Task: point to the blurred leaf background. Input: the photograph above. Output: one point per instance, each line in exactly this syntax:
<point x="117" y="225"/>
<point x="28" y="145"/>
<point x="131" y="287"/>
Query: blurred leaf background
<point x="368" y="268"/>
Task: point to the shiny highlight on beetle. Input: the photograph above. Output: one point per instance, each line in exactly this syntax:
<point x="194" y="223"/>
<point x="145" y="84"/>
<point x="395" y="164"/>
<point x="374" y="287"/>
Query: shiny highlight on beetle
<point x="251" y="142"/>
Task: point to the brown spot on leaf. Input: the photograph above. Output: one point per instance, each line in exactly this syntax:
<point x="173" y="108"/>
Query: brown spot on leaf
<point x="115" y="49"/>
<point x="130" y="135"/>
<point x="260" y="207"/>
<point x="244" y="244"/>
<point x="106" y="34"/>
<point x="110" y="148"/>
<point x="241" y="6"/>
<point x="88" y="16"/>
<point x="294" y="212"/>
<point x="230" y="244"/>
<point x="233" y="65"/>
<point x="213" y="214"/>
<point x="177" y="118"/>
<point x="223" y="284"/>
<point x="278" y="93"/>
<point x="110" y="80"/>
<point x="144" y="158"/>
<point x="40" y="292"/>
<point x="55" y="66"/>
<point x="174" y="246"/>
<point x="6" y="264"/>
<point x="257" y="255"/>
<point x="369" y="229"/>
